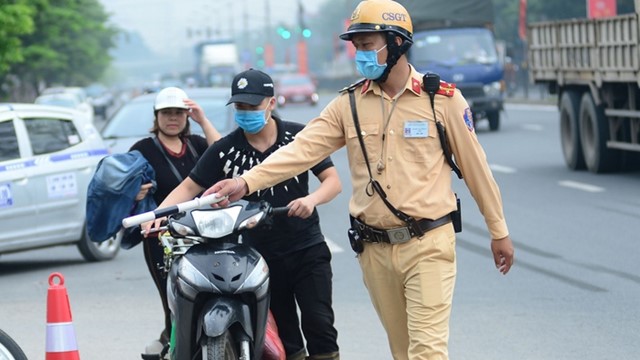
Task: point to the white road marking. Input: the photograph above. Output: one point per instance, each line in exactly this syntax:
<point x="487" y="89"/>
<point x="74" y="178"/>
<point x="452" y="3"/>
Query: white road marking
<point x="533" y="127"/>
<point x="502" y="169"/>
<point x="580" y="186"/>
<point x="538" y="107"/>
<point x="333" y="247"/>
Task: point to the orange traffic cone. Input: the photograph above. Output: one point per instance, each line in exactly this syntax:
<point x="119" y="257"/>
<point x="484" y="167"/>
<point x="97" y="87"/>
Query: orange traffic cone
<point x="61" y="337"/>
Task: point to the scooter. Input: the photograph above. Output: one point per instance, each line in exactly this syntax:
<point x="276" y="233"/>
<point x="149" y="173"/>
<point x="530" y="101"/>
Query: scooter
<point x="218" y="288"/>
<point x="9" y="349"/>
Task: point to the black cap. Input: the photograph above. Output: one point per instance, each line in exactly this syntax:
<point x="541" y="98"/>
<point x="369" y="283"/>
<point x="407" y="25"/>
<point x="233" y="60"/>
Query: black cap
<point x="251" y="87"/>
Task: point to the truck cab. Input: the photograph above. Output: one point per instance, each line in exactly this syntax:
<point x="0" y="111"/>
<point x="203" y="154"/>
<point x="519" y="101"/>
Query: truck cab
<point x="217" y="62"/>
<point x="465" y="56"/>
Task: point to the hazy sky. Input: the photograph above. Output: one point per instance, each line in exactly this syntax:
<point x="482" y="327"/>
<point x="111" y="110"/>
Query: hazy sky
<point x="164" y="24"/>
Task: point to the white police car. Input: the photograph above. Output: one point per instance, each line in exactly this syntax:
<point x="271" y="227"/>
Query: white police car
<point x="48" y="156"/>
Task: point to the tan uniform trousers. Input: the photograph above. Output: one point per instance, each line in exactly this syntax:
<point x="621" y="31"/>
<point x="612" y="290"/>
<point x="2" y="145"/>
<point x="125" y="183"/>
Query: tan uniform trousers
<point x="411" y="287"/>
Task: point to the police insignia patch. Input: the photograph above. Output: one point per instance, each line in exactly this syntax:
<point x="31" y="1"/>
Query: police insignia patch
<point x="468" y="118"/>
<point x="416" y="85"/>
<point x="365" y="87"/>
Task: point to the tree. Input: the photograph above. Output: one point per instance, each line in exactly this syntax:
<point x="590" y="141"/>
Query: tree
<point x="70" y="44"/>
<point x="15" y="21"/>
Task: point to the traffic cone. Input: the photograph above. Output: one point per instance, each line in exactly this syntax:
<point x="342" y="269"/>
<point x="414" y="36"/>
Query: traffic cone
<point x="61" y="337"/>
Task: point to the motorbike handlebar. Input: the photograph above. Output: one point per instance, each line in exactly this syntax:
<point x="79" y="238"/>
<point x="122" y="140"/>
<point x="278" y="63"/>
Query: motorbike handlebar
<point x="277" y="211"/>
<point x="170" y="210"/>
<point x="154" y="230"/>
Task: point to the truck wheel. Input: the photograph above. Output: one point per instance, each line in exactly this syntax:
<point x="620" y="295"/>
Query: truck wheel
<point x="494" y="120"/>
<point x="594" y="132"/>
<point x="570" y="130"/>
<point x="98" y="251"/>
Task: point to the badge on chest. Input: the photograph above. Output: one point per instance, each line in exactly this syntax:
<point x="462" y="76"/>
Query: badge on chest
<point x="416" y="129"/>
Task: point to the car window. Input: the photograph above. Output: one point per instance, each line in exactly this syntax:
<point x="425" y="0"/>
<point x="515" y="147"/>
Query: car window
<point x="80" y="93"/>
<point x="95" y="90"/>
<point x="295" y="80"/>
<point x="9" y="149"/>
<point x="64" y="101"/>
<point x="77" y="93"/>
<point x="135" y="119"/>
<point x="50" y="135"/>
<point x="216" y="111"/>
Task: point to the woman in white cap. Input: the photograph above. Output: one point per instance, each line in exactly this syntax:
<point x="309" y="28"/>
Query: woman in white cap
<point x="172" y="151"/>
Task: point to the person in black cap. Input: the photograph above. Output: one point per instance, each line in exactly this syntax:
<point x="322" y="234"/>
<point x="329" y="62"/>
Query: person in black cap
<point x="294" y="247"/>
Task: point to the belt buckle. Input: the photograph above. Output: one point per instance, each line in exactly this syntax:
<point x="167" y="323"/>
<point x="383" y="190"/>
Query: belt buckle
<point x="399" y="235"/>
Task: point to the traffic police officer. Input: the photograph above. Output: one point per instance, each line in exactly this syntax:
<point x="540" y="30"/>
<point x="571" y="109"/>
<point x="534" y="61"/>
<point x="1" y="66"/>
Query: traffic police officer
<point x="410" y="279"/>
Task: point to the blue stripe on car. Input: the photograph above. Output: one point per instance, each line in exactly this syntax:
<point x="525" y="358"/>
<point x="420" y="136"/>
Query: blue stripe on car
<point x="81" y="154"/>
<point x="55" y="158"/>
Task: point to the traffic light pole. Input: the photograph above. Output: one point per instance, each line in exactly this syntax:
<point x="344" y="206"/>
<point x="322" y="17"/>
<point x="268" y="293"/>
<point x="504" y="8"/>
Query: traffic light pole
<point x="268" y="47"/>
<point x="302" y="44"/>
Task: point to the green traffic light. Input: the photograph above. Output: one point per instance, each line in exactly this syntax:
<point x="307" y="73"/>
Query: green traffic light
<point x="259" y="50"/>
<point x="283" y="32"/>
<point x="306" y="33"/>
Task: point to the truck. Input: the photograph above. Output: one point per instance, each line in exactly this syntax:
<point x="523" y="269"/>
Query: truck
<point x="455" y="39"/>
<point x="593" y="66"/>
<point x="216" y="62"/>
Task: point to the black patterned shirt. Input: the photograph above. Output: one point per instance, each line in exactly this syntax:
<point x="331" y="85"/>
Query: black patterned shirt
<point x="232" y="156"/>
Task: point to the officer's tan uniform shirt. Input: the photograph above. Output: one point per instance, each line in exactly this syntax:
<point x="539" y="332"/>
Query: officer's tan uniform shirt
<point x="416" y="176"/>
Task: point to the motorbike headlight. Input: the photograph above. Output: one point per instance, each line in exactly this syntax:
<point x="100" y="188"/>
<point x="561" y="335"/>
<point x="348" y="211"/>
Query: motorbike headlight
<point x="494" y="89"/>
<point x="218" y="223"/>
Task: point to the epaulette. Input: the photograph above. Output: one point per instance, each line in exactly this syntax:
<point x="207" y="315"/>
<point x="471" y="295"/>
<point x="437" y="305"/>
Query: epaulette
<point x="446" y="89"/>
<point x="353" y="86"/>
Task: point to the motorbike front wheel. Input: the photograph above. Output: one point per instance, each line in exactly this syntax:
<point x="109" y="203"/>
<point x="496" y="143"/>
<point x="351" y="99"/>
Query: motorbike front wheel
<point x="9" y="349"/>
<point x="222" y="347"/>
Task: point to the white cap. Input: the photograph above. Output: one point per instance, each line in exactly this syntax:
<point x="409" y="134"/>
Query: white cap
<point x="170" y="97"/>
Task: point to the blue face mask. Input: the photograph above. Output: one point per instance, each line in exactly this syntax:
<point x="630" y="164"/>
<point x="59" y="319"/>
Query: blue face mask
<point x="251" y="121"/>
<point x="367" y="63"/>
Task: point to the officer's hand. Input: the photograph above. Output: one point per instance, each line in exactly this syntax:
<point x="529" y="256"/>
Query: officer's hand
<point x="301" y="207"/>
<point x="502" y="250"/>
<point x="234" y="189"/>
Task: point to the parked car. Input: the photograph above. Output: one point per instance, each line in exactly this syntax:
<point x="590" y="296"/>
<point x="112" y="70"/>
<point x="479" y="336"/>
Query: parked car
<point x="100" y="97"/>
<point x="84" y="103"/>
<point x="134" y="119"/>
<point x="295" y="88"/>
<point x="48" y="155"/>
<point x="75" y="90"/>
<point x="67" y="100"/>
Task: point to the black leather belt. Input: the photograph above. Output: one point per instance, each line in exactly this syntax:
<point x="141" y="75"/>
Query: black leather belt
<point x="397" y="235"/>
